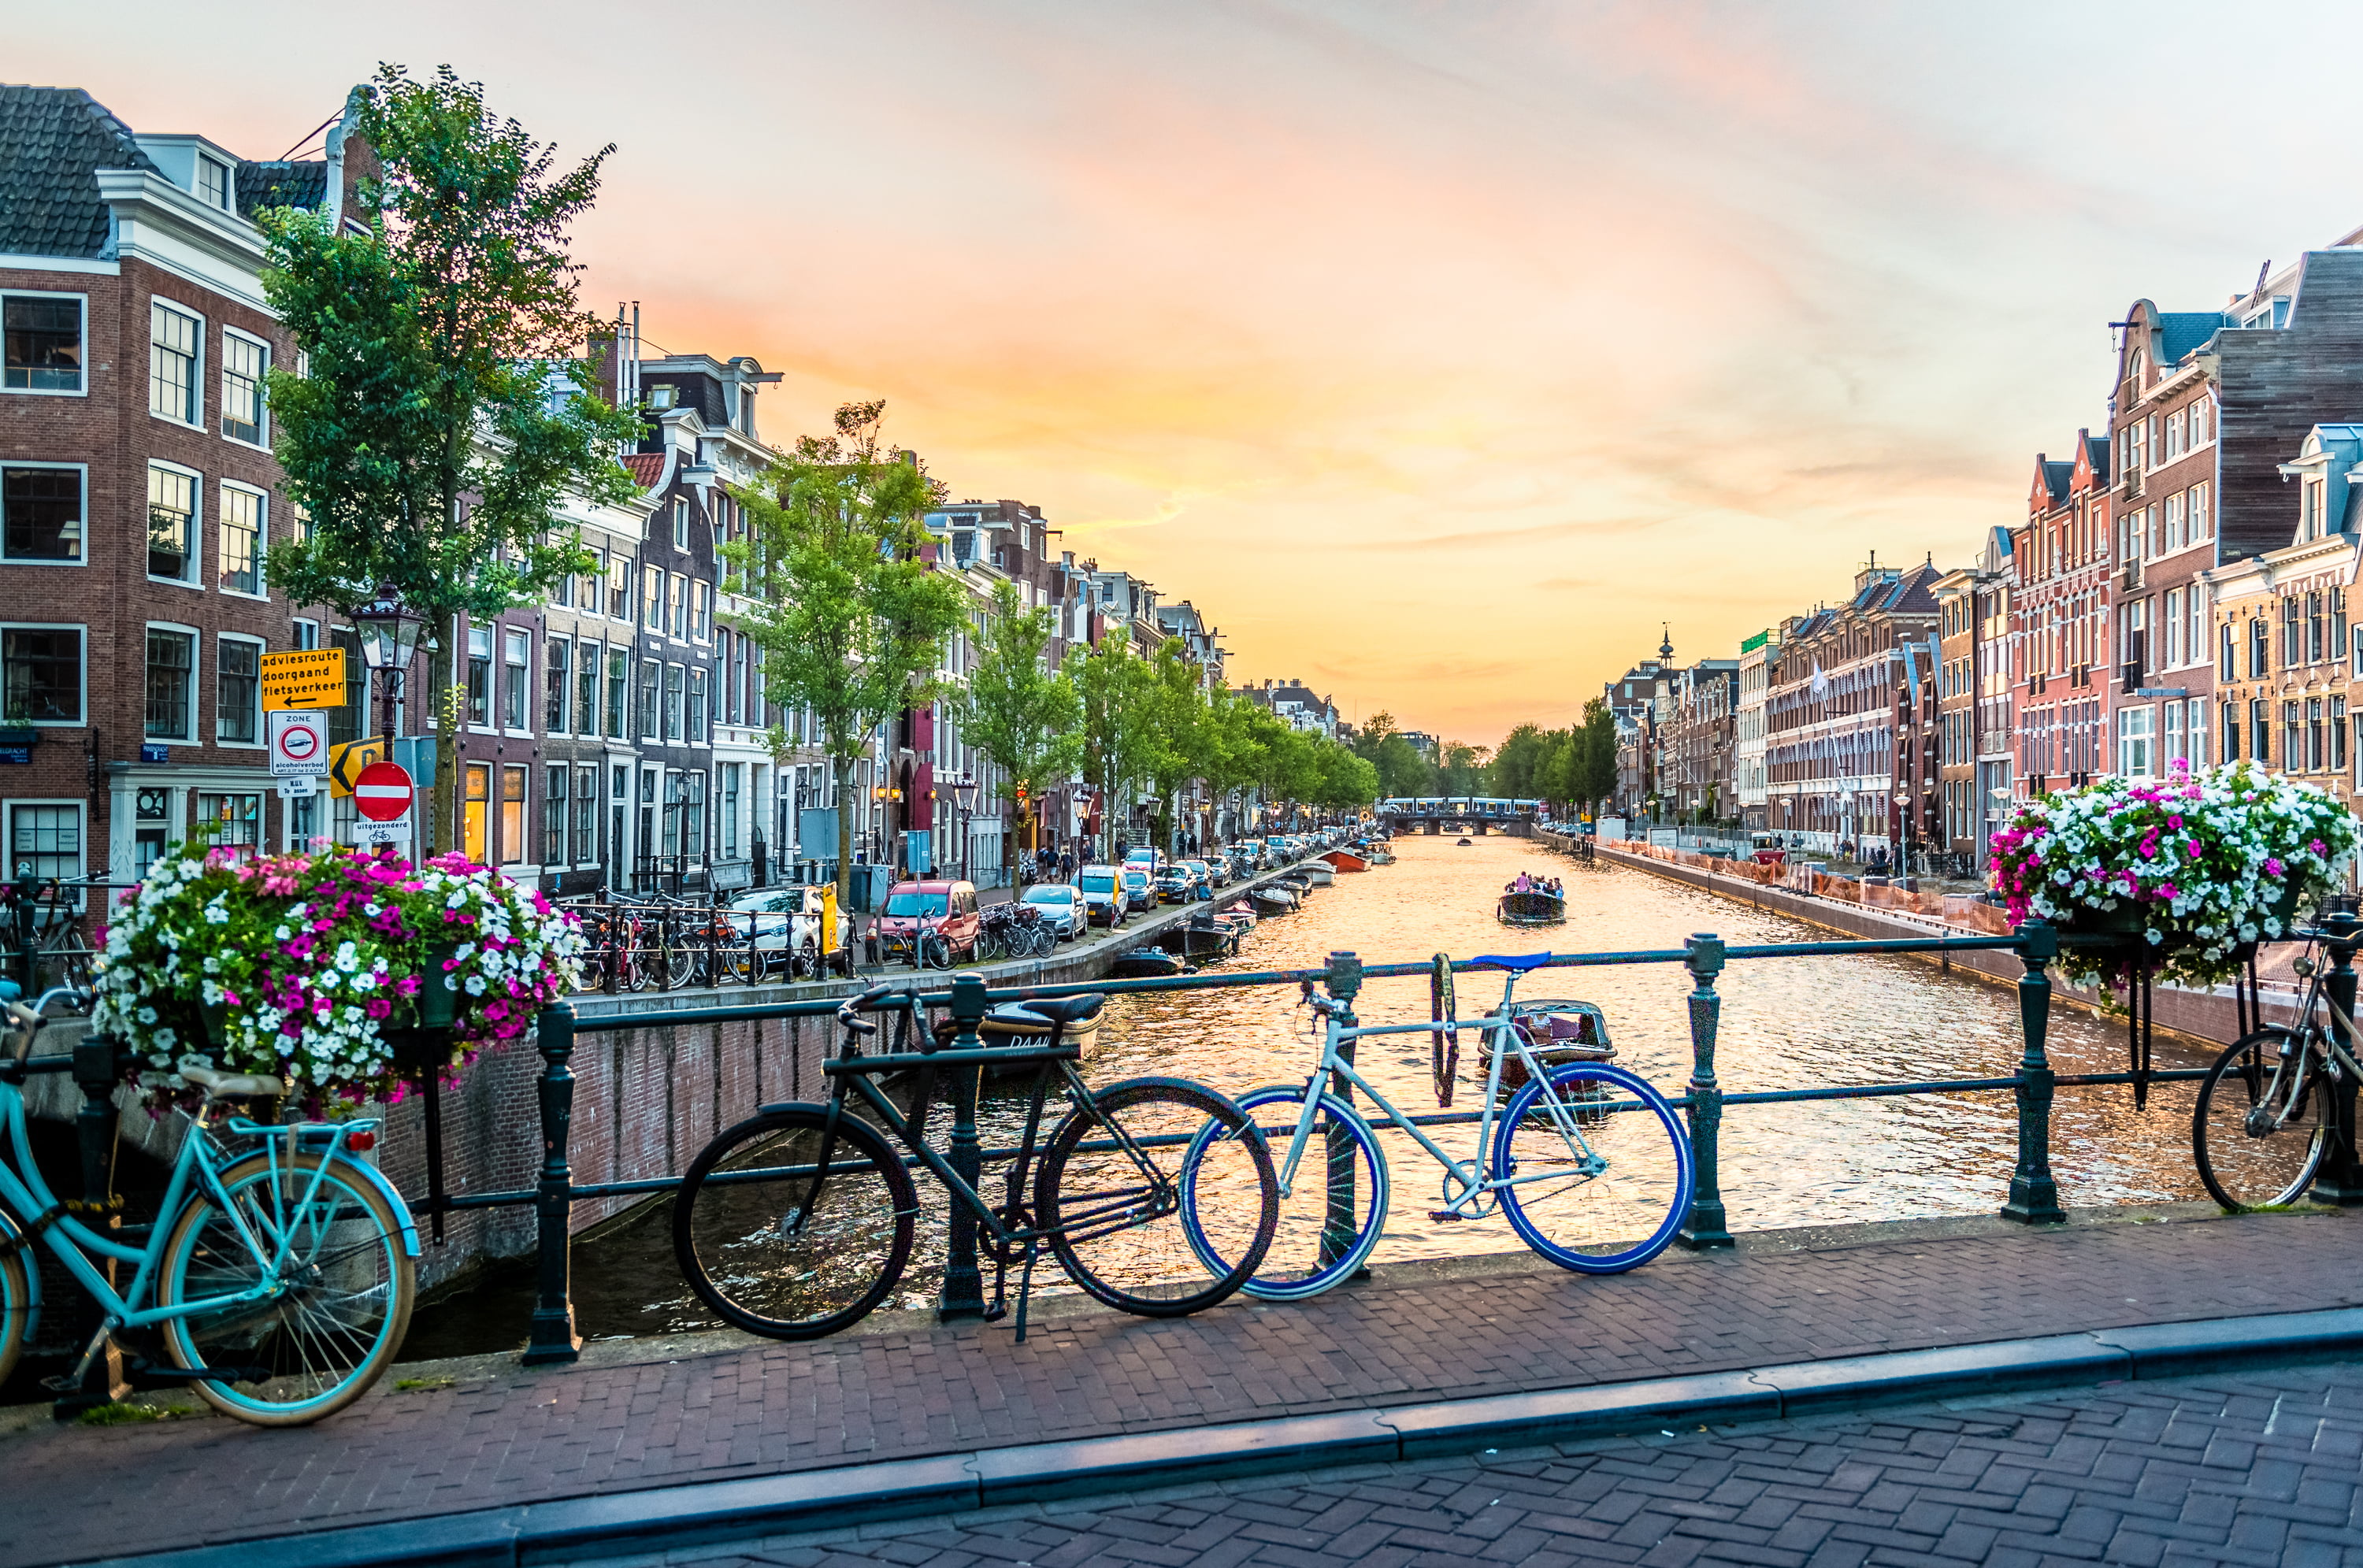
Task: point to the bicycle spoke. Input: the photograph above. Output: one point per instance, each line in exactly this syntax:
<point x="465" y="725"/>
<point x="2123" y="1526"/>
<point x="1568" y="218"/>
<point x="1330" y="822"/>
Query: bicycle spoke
<point x="1591" y="1188"/>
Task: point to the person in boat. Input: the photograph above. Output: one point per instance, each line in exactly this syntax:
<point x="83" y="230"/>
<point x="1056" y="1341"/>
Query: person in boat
<point x="1524" y="884"/>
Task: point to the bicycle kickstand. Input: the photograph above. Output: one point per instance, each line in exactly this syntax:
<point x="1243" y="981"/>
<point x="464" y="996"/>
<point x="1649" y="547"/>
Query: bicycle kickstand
<point x="1026" y="1288"/>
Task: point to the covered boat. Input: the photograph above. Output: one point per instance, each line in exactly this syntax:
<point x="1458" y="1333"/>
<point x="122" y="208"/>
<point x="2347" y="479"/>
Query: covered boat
<point x="1269" y="901"/>
<point x="1346" y="860"/>
<point x="1533" y="907"/>
<point x="1147" y="964"/>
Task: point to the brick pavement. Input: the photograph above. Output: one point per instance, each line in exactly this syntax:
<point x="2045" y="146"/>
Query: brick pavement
<point x="514" y="1436"/>
<point x="2256" y="1469"/>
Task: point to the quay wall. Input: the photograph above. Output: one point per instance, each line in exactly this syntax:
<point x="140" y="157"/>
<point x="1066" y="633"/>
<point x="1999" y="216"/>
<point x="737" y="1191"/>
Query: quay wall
<point x="2211" y="1016"/>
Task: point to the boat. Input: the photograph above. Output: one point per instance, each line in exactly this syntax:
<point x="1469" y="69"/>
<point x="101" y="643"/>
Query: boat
<point x="1532" y="907"/>
<point x="1346" y="860"/>
<point x="1464" y="842"/>
<point x="1269" y="901"/>
<point x="1238" y="913"/>
<point x="1558" y="1033"/>
<point x="1009" y="1023"/>
<point x="1147" y="964"/>
<point x="1319" y="874"/>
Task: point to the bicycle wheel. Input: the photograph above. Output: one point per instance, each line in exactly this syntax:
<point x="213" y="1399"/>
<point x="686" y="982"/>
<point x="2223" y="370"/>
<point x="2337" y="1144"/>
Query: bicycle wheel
<point x="2252" y="1147"/>
<point x="17" y="1310"/>
<point x="934" y="952"/>
<point x="679" y="965"/>
<point x="1313" y="1248"/>
<point x="1595" y="1192"/>
<point x="777" y="1246"/>
<point x="1120" y="1217"/>
<point x="348" y="1287"/>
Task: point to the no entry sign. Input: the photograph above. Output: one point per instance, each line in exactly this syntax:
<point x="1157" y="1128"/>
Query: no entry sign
<point x="299" y="743"/>
<point x="382" y="793"/>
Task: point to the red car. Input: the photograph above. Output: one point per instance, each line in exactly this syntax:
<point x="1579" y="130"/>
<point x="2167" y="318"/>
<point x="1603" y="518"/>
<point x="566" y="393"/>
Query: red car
<point x="947" y="909"/>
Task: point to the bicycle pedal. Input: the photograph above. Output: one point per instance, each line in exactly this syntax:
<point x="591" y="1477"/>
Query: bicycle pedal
<point x="1441" y="1215"/>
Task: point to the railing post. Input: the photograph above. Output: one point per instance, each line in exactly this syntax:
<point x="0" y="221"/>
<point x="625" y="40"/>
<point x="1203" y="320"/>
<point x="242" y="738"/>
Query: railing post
<point x="2034" y="1195"/>
<point x="2340" y="1183"/>
<point x="1704" y="1230"/>
<point x="963" y="1292"/>
<point x="95" y="1070"/>
<point x="1342" y="1222"/>
<point x="553" y="1339"/>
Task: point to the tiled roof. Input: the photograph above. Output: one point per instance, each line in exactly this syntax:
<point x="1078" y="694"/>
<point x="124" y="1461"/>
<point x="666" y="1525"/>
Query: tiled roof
<point x="2056" y="476"/>
<point x="51" y="138"/>
<point x="647" y="468"/>
<point x="261" y="185"/>
<point x="2097" y="447"/>
<point x="2182" y="331"/>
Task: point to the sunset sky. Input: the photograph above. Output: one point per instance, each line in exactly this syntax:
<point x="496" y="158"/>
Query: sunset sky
<point x="1437" y="352"/>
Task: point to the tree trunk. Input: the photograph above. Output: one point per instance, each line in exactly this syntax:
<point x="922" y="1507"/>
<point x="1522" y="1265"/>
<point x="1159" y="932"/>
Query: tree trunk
<point x="842" y="770"/>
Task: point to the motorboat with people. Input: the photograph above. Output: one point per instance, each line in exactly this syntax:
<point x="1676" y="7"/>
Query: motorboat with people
<point x="1558" y="1033"/>
<point x="1532" y="900"/>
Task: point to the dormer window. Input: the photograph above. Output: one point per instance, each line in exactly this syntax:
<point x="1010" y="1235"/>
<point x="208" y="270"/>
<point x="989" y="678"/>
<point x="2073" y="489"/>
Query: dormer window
<point x="213" y="182"/>
<point x="661" y="398"/>
<point x="2310" y="526"/>
<point x="747" y="410"/>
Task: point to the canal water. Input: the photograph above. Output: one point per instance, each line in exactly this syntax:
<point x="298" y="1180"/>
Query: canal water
<point x="1786" y="1024"/>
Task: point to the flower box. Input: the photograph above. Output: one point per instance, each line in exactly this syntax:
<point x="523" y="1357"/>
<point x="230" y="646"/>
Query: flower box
<point x="347" y="974"/>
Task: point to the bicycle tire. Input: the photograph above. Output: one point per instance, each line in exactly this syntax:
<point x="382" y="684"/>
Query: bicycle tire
<point x="17" y="1311"/>
<point x="1107" y="1216"/>
<point x="377" y="1275"/>
<point x="680" y="967"/>
<point x="934" y="952"/>
<point x="1591" y="1234"/>
<point x="2238" y="1170"/>
<point x="780" y="1285"/>
<point x="1303" y="1260"/>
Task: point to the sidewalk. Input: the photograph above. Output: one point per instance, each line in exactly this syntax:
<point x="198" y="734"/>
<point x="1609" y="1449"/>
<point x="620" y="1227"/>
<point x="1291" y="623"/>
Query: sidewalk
<point x="744" y="1408"/>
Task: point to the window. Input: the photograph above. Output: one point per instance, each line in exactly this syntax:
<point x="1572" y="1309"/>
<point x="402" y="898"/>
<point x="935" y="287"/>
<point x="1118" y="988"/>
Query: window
<point x="554" y="655"/>
<point x="41" y="512"/>
<point x="2315" y="649"/>
<point x="2259" y="647"/>
<point x="676" y="606"/>
<point x="672" y="695"/>
<point x="619" y="588"/>
<point x="586" y="805"/>
<point x="2314" y="736"/>
<point x="213" y="182"/>
<point x="237" y="692"/>
<point x="2230" y="730"/>
<point x="2310" y="519"/>
<point x="239" y="557"/>
<point x="516" y="675"/>
<point x="2134" y="732"/>
<point x="680" y="523"/>
<point x="2174" y="512"/>
<point x="726" y="818"/>
<point x="2292" y="633"/>
<point x="2170" y="746"/>
<point x="651" y="684"/>
<point x="588" y="590"/>
<point x="2260" y="732"/>
<point x="347" y="721"/>
<point x="2292" y="737"/>
<point x="40" y="675"/>
<point x="2338" y="650"/>
<point x="171" y="524"/>
<point x="512" y="792"/>
<point x="586" y="689"/>
<point x="693" y="825"/>
<point x="554" y="810"/>
<point x="697" y="708"/>
<point x="2171" y="619"/>
<point x="299" y="524"/>
<point x="232" y="821"/>
<point x="2195" y="604"/>
<point x="474" y="805"/>
<point x="304" y="634"/>
<point x="45" y="349"/>
<point x="45" y="839"/>
<point x="2336" y="761"/>
<point x="730" y="689"/>
<point x="173" y="342"/>
<point x="172" y="685"/>
<point x="652" y="581"/>
<point x="701" y="619"/>
<point x="2175" y="427"/>
<point x="2200" y="524"/>
<point x="2227" y="648"/>
<point x="619" y="679"/>
<point x="479" y="680"/>
<point x="244" y="360"/>
<point x="661" y="398"/>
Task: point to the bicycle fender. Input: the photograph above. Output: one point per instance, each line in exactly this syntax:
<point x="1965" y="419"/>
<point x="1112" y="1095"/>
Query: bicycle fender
<point x="400" y="1209"/>
<point x="13" y="1231"/>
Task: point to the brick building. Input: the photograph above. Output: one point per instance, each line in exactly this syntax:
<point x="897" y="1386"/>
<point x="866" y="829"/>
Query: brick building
<point x="2061" y="677"/>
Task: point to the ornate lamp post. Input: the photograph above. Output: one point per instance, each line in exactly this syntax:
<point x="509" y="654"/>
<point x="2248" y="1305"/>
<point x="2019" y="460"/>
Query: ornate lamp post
<point x="964" y="797"/>
<point x="389" y="635"/>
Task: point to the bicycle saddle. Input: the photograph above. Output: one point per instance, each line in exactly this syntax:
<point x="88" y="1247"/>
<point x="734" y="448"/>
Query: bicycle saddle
<point x="1063" y="1009"/>
<point x="1516" y="966"/>
<point x="232" y="1086"/>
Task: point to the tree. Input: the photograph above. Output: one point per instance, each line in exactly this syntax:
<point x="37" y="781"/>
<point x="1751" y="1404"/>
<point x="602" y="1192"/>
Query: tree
<point x="1022" y="714"/>
<point x="1516" y="761"/>
<point x="850" y="619"/>
<point x="1184" y="748"/>
<point x="1119" y="723"/>
<point x="1463" y="769"/>
<point x="444" y="413"/>
<point x="1595" y="773"/>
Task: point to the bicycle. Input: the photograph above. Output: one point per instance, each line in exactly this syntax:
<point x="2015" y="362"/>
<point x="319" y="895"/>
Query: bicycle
<point x="1593" y="1191"/>
<point x="798" y="1222"/>
<point x="54" y="927"/>
<point x="281" y="1278"/>
<point x="2262" y="1122"/>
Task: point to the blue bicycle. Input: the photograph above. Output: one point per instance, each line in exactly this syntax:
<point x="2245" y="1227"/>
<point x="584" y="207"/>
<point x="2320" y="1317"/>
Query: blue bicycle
<point x="1588" y="1162"/>
<point x="279" y="1270"/>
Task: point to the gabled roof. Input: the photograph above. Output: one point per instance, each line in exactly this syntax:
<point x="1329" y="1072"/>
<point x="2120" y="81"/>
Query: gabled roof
<point x="647" y="468"/>
<point x="2179" y="332"/>
<point x="51" y="138"/>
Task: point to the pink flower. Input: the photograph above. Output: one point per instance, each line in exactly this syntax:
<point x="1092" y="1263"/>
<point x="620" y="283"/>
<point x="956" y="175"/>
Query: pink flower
<point x="2273" y="867"/>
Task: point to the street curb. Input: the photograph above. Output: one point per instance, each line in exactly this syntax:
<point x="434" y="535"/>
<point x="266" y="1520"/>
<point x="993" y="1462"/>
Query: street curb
<point x="660" y="1518"/>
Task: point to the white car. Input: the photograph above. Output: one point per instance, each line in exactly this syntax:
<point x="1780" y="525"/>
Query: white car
<point x="1063" y="908"/>
<point x="1105" y="899"/>
<point x="786" y="929"/>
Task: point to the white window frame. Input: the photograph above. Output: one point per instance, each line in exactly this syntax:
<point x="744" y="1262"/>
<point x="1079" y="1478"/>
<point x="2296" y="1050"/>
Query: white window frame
<point x="261" y="398"/>
<point x="80" y="809"/>
<point x="207" y="163"/>
<point x="196" y="681"/>
<point x="80" y="719"/>
<point x="80" y="560"/>
<point x="83" y="298"/>
<point x="196" y="579"/>
<point x="261" y="724"/>
<point x="196" y="370"/>
<point x="524" y="692"/>
<point x="262" y="590"/>
<point x="2147" y="737"/>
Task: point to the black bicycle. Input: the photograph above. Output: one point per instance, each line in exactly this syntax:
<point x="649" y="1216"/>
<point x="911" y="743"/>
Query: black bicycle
<point x="799" y="1221"/>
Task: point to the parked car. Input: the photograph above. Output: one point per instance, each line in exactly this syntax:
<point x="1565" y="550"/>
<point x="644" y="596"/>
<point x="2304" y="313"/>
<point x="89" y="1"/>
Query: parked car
<point x="786" y="929"/>
<point x="1202" y="877"/>
<point x="1139" y="891"/>
<point x="947" y="908"/>
<point x="1063" y="908"/>
<point x="1102" y="888"/>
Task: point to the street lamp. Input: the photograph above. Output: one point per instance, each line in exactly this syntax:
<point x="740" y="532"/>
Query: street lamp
<point x="388" y="631"/>
<point x="964" y="797"/>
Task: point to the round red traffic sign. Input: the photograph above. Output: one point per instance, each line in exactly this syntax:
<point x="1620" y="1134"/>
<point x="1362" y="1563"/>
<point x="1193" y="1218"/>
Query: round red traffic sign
<point x="382" y="793"/>
<point x="299" y="743"/>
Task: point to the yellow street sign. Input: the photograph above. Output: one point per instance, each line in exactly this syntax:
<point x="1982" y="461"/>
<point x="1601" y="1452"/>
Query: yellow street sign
<point x="346" y="762"/>
<point x="306" y="678"/>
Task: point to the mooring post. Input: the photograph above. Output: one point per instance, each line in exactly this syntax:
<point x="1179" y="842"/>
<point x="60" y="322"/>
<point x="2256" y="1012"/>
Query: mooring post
<point x="553" y="1339"/>
<point x="2340" y="1183"/>
<point x="1343" y="1220"/>
<point x="2034" y="1195"/>
<point x="963" y="1293"/>
<point x="1702" y="955"/>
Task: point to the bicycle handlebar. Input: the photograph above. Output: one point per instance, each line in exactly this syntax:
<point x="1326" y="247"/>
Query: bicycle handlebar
<point x="849" y="1011"/>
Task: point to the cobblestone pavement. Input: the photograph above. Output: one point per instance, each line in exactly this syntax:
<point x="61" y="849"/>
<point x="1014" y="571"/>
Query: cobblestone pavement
<point x="2254" y="1470"/>
<point x="506" y="1435"/>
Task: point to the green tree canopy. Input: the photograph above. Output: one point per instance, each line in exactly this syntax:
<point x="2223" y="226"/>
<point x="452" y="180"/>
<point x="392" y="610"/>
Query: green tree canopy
<point x="1017" y="710"/>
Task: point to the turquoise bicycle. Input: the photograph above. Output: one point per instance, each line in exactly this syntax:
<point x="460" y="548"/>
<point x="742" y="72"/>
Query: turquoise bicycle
<point x="1589" y="1163"/>
<point x="279" y="1273"/>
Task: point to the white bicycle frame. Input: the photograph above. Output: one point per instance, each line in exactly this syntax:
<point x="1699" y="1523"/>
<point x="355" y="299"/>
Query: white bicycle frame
<point x="1471" y="1200"/>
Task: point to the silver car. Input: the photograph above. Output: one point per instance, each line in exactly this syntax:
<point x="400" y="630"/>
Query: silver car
<point x="1061" y="904"/>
